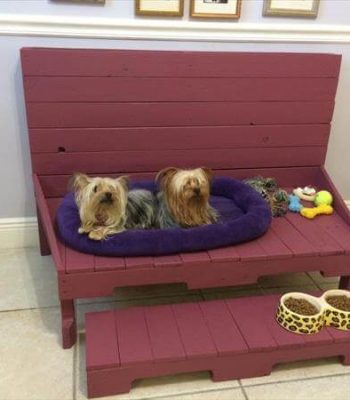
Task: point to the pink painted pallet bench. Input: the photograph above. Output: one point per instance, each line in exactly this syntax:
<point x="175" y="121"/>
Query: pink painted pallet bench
<point x="110" y="112"/>
<point x="233" y="339"/>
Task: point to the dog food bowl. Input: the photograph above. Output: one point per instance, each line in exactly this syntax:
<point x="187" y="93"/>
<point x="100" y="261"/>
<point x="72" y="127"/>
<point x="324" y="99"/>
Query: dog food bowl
<point x="297" y="322"/>
<point x="334" y="316"/>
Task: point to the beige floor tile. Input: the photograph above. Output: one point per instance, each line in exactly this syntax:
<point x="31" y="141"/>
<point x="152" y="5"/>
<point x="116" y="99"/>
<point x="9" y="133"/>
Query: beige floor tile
<point x="225" y="394"/>
<point x="319" y="278"/>
<point x="151" y="388"/>
<point x="328" y="286"/>
<point x="92" y="307"/>
<point x="28" y="280"/>
<point x="286" y="280"/>
<point x="334" y="388"/>
<point x="33" y="364"/>
<point x="301" y="370"/>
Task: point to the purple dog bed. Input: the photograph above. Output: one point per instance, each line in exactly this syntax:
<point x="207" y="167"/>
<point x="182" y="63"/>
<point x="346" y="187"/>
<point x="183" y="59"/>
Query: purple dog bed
<point x="244" y="215"/>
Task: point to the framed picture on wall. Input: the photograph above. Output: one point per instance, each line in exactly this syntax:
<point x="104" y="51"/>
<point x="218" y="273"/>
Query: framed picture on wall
<point x="165" y="8"/>
<point x="230" y="9"/>
<point x="291" y="8"/>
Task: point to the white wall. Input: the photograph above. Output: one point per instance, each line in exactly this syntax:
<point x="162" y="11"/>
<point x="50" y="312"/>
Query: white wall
<point x="15" y="175"/>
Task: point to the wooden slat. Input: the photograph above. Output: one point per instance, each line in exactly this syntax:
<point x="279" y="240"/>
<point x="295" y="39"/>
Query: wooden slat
<point x="197" y="257"/>
<point x="80" y="89"/>
<point x="337" y="229"/>
<point x="133" y="336"/>
<point x="136" y="161"/>
<point x="106" y="115"/>
<point x="102" y="349"/>
<point x="56" y="185"/>
<point x="78" y="262"/>
<point x="164" y="337"/>
<point x="168" y="261"/>
<point x="251" y="251"/>
<point x="224" y="254"/>
<point x="49" y="140"/>
<point x="109" y="263"/>
<point x="273" y="246"/>
<point x="138" y="262"/>
<point x="315" y="235"/>
<point x="292" y="238"/>
<point x="223" y="329"/>
<point x="95" y="62"/>
<point x="252" y="323"/>
<point x="194" y="333"/>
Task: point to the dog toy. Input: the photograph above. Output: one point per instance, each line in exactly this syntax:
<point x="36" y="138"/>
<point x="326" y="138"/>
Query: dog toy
<point x="276" y="197"/>
<point x="312" y="212"/>
<point x="323" y="197"/>
<point x="307" y="193"/>
<point x="294" y="203"/>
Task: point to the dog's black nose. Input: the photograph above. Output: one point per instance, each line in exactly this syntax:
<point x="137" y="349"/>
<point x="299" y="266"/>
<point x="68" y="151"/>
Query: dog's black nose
<point x="197" y="191"/>
<point x="108" y="196"/>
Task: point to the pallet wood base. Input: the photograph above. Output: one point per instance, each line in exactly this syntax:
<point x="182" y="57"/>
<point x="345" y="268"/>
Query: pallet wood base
<point x="233" y="339"/>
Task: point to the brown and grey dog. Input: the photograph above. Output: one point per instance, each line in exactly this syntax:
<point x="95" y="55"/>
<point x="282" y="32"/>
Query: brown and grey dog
<point x="106" y="206"/>
<point x="184" y="198"/>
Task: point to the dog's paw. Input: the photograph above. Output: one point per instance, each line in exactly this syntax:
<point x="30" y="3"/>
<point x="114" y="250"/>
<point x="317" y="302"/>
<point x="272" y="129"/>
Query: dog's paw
<point x="97" y="235"/>
<point x="81" y="230"/>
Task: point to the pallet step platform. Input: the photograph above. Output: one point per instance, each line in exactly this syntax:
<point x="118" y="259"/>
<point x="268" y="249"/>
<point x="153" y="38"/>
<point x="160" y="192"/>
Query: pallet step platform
<point x="233" y="339"/>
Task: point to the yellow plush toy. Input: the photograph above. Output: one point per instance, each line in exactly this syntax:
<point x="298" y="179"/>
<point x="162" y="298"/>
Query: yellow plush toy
<point x="312" y="212"/>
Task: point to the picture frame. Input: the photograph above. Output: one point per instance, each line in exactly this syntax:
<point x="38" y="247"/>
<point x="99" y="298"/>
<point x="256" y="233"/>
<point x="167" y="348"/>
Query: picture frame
<point x="291" y="8"/>
<point x="227" y="9"/>
<point x="159" y="8"/>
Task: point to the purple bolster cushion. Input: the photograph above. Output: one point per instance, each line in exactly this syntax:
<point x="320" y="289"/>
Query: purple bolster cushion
<point x="244" y="215"/>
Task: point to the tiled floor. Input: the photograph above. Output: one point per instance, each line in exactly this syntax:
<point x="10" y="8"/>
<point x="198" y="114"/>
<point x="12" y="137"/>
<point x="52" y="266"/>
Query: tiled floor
<point x="33" y="365"/>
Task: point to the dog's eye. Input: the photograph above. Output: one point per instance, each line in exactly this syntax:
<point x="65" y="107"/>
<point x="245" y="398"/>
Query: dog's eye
<point x="95" y="189"/>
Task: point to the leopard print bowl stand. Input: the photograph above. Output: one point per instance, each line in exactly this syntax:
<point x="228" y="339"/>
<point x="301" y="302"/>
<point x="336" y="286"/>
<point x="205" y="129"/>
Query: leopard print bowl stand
<point x="335" y="317"/>
<point x="298" y="323"/>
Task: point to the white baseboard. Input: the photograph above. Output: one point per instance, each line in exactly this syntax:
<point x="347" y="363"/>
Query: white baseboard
<point x="18" y="232"/>
<point x="140" y="29"/>
<point x="23" y="232"/>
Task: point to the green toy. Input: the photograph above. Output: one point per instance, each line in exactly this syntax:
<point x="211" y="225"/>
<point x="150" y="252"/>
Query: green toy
<point x="323" y="197"/>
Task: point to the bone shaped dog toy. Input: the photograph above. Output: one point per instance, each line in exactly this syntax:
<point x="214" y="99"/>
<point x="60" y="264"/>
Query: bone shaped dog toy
<point x="294" y="203"/>
<point x="311" y="213"/>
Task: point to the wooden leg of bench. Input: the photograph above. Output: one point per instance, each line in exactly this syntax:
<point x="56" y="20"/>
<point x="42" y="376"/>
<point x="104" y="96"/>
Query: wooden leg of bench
<point x="344" y="282"/>
<point x="346" y="359"/>
<point x="44" y="244"/>
<point x="69" y="328"/>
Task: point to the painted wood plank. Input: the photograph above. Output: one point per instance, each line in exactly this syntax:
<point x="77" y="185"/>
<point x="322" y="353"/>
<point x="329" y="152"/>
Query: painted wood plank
<point x="79" y="262"/>
<point x="292" y="238"/>
<point x="252" y="323"/>
<point x="273" y="246"/>
<point x="196" y="257"/>
<point x="96" y="62"/>
<point x="50" y="140"/>
<point x="168" y="261"/>
<point x="337" y="229"/>
<point x="251" y="251"/>
<point x="138" y="262"/>
<point x="223" y="329"/>
<point x="106" y="115"/>
<point x="133" y="336"/>
<point x="56" y="185"/>
<point x="109" y="263"/>
<point x="111" y="89"/>
<point x="315" y="235"/>
<point x="102" y="349"/>
<point x="136" y="161"/>
<point x="338" y="335"/>
<point x="164" y="336"/>
<point x="193" y="331"/>
<point x="224" y="254"/>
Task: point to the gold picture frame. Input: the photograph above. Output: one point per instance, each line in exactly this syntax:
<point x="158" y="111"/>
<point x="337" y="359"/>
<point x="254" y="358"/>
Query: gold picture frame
<point x="291" y="8"/>
<point x="227" y="9"/>
<point x="159" y="8"/>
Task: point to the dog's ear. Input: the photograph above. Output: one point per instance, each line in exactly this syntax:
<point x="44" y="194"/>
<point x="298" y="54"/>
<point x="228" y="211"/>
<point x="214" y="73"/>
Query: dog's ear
<point x="124" y="181"/>
<point x="207" y="172"/>
<point x="78" y="182"/>
<point x="164" y="175"/>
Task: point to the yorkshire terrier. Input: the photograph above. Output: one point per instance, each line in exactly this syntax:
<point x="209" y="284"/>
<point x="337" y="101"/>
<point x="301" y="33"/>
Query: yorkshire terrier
<point x="106" y="206"/>
<point x="183" y="199"/>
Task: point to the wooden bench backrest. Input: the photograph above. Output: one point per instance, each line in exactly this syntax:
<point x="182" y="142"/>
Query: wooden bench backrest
<point x="117" y="111"/>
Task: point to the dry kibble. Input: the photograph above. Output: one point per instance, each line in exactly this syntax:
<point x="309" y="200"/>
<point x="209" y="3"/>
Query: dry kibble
<point x="300" y="306"/>
<point x="340" y="302"/>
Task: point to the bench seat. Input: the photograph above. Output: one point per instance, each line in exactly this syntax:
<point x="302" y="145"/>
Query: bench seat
<point x="231" y="338"/>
